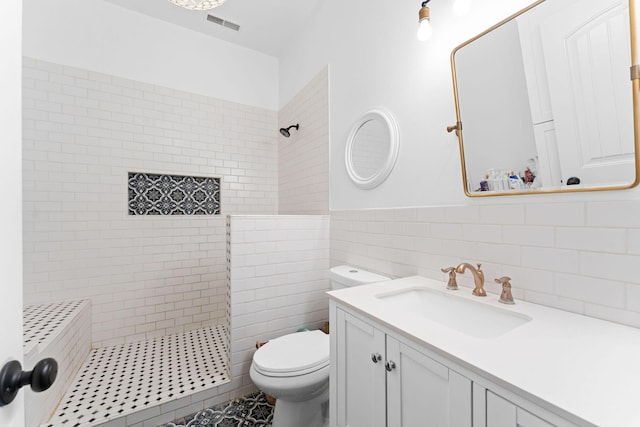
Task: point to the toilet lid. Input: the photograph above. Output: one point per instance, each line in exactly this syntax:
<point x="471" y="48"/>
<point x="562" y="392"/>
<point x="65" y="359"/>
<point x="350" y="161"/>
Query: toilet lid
<point x="300" y="352"/>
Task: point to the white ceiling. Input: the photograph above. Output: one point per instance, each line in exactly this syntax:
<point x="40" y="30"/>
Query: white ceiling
<point x="265" y="25"/>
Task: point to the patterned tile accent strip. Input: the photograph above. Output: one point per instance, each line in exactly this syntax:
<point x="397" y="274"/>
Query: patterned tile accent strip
<point x="155" y="194"/>
<point x="247" y="411"/>
<point x="119" y="381"/>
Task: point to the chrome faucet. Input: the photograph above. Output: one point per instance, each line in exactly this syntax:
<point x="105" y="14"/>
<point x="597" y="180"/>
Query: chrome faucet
<point x="478" y="277"/>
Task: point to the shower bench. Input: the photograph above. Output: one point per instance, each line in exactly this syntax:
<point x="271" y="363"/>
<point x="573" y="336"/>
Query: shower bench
<point x="62" y="331"/>
<point x="135" y="384"/>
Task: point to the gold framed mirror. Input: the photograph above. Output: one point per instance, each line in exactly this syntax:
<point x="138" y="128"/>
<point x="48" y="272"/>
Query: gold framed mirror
<point x="544" y="102"/>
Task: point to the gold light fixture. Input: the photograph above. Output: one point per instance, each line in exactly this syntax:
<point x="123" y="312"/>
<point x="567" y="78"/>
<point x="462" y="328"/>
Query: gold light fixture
<point x="424" y="23"/>
<point x="198" y="4"/>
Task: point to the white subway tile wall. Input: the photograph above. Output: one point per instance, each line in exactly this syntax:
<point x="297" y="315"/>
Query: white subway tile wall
<point x="146" y="276"/>
<point x="303" y="175"/>
<point x="581" y="257"/>
<point x="278" y="278"/>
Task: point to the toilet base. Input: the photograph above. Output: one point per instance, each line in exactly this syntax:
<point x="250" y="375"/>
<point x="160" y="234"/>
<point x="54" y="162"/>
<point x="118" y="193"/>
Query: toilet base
<point x="309" y="413"/>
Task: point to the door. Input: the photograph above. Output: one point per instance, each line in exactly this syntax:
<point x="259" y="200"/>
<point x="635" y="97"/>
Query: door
<point x="11" y="200"/>
<point x="587" y="49"/>
<point x="422" y="392"/>
<point x="549" y="169"/>
<point x="360" y="376"/>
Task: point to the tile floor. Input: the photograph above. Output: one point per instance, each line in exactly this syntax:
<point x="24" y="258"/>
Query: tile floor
<point x="118" y="381"/>
<point x="40" y="321"/>
<point x="247" y="411"/>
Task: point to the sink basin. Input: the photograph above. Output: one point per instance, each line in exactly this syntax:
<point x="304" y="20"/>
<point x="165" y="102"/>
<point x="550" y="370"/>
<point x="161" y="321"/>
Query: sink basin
<point x="466" y="316"/>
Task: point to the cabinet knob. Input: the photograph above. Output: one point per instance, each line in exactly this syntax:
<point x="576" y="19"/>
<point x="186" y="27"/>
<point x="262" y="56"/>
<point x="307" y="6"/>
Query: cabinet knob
<point x="376" y="357"/>
<point x="13" y="378"/>
<point x="390" y="365"/>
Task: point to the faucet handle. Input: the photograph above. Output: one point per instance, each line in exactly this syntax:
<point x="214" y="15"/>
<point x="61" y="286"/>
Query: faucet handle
<point x="505" y="296"/>
<point x="480" y="272"/>
<point x="452" y="284"/>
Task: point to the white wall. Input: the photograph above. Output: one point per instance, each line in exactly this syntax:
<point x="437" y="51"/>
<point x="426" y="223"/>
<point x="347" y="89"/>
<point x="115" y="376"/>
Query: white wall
<point x="278" y="278"/>
<point x="146" y="275"/>
<point x="580" y="257"/>
<point x="303" y="158"/>
<point x="98" y="36"/>
<point x="376" y="60"/>
<point x="578" y="252"/>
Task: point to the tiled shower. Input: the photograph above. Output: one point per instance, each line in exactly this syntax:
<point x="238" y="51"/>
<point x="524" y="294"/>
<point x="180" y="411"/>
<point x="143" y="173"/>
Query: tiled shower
<point x="155" y="280"/>
<point x="147" y="276"/>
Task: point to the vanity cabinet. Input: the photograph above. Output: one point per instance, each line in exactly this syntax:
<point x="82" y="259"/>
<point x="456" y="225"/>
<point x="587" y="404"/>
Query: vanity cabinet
<point x="537" y="374"/>
<point x="493" y="410"/>
<point x="379" y="380"/>
<point x="502" y="413"/>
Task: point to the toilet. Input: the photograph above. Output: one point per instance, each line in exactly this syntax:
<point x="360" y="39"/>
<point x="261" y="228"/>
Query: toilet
<point x="294" y="368"/>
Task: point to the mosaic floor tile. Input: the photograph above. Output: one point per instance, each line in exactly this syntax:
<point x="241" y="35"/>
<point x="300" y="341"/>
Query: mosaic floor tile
<point x="247" y="411"/>
<point x="121" y="380"/>
<point x="42" y="320"/>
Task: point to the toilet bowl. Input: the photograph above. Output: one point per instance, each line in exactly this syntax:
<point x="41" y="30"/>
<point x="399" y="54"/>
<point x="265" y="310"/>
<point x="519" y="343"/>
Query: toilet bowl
<point x="294" y="368"/>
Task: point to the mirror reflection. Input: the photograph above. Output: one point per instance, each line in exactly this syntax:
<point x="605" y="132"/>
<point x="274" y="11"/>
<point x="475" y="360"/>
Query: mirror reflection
<point x="545" y="100"/>
<point x="372" y="148"/>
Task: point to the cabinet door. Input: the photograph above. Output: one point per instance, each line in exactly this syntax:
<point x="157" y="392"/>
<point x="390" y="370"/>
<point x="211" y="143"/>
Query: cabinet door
<point x="502" y="413"/>
<point x="422" y="392"/>
<point x="360" y="388"/>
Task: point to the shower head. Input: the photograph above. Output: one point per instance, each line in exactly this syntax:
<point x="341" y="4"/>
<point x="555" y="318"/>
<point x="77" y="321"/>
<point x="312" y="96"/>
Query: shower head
<point x="285" y="131"/>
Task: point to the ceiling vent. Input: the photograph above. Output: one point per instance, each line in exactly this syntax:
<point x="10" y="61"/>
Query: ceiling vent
<point x="226" y="24"/>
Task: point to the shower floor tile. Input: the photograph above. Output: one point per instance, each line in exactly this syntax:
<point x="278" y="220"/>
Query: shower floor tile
<point x="118" y="381"/>
<point x="42" y="321"/>
<point x="247" y="411"/>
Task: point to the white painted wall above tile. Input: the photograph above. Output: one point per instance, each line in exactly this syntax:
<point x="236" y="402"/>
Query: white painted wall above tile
<point x="377" y="61"/>
<point x="102" y="37"/>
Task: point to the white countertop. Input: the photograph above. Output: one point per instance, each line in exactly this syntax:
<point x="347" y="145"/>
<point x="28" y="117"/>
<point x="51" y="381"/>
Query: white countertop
<point x="586" y="367"/>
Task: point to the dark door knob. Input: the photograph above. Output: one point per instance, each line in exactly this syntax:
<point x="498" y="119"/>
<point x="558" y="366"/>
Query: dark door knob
<point x="13" y="378"/>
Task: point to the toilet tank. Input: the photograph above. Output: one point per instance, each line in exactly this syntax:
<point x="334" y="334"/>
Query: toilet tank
<point x="344" y="276"/>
